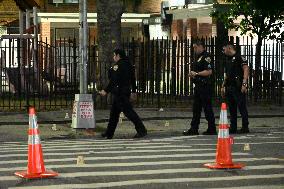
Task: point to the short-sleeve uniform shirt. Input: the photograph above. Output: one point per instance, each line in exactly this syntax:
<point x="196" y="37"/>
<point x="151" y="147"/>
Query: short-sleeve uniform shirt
<point x="234" y="69"/>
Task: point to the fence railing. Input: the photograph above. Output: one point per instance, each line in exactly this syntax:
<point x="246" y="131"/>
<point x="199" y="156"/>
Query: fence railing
<point x="162" y="72"/>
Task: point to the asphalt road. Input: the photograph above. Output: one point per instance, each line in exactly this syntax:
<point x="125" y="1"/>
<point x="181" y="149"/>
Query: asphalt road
<point x="165" y="161"/>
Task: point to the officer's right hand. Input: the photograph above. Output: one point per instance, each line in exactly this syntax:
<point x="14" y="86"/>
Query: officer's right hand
<point x="133" y="97"/>
<point x="223" y="90"/>
<point x="103" y="93"/>
<point x="192" y="74"/>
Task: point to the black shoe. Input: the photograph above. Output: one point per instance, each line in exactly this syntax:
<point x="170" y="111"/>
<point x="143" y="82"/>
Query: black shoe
<point x="140" y="135"/>
<point x="190" y="132"/>
<point x="105" y="135"/>
<point x="232" y="131"/>
<point x="243" y="130"/>
<point x="208" y="132"/>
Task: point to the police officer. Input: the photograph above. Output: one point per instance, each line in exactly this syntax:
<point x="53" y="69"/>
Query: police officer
<point x="200" y="74"/>
<point x="234" y="87"/>
<point x="121" y="81"/>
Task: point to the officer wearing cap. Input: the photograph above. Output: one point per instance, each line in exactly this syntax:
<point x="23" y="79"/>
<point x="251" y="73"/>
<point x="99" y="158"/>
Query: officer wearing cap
<point x="234" y="87"/>
<point x="121" y="82"/>
<point x="200" y="73"/>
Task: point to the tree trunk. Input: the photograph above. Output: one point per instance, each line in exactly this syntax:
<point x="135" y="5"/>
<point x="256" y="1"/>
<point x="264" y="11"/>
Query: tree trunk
<point x="257" y="74"/>
<point x="109" y="34"/>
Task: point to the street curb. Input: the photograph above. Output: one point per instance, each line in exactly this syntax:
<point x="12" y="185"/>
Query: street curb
<point x="143" y="119"/>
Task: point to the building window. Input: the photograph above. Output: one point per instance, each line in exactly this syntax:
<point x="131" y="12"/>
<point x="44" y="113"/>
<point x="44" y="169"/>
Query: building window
<point x="70" y="1"/>
<point x="63" y="1"/>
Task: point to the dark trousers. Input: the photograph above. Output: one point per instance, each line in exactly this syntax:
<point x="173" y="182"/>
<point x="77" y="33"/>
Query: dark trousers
<point x="202" y="99"/>
<point x="120" y="104"/>
<point x="236" y="99"/>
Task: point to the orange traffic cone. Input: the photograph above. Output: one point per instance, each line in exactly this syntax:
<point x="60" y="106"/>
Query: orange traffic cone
<point x="223" y="153"/>
<point x="36" y="167"/>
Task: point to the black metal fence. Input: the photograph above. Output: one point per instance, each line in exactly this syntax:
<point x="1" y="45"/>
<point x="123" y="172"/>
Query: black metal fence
<point x="47" y="76"/>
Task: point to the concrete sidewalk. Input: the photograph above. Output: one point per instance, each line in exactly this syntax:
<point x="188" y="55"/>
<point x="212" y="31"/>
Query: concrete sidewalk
<point x="13" y="118"/>
<point x="170" y="122"/>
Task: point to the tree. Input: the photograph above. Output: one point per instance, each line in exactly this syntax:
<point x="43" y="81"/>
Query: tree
<point x="259" y="17"/>
<point x="109" y="14"/>
<point x="109" y="33"/>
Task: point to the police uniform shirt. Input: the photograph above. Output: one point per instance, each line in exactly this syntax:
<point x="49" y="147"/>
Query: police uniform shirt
<point x="204" y="62"/>
<point x="234" y="69"/>
<point x="121" y="78"/>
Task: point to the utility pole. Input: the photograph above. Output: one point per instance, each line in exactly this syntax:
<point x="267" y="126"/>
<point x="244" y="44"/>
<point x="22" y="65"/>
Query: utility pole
<point x="83" y="32"/>
<point x="83" y="108"/>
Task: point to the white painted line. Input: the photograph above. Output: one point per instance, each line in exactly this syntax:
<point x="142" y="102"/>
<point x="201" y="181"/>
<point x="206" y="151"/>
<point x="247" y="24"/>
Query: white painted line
<point x="277" y="132"/>
<point x="254" y="187"/>
<point x="62" y="149"/>
<point x="126" y="157"/>
<point x="260" y="143"/>
<point x="134" y="164"/>
<point x="97" y="145"/>
<point x="110" y="152"/>
<point x="94" y="142"/>
<point x="256" y="143"/>
<point x="160" y="171"/>
<point x="152" y="181"/>
<point x="96" y="148"/>
<point x="269" y="137"/>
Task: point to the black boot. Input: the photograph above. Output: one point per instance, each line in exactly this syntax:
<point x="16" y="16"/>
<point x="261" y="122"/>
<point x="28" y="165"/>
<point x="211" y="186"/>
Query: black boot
<point x="190" y="132"/>
<point x="210" y="132"/>
<point x="243" y="130"/>
<point x="232" y="131"/>
<point x="140" y="135"/>
<point x="106" y="135"/>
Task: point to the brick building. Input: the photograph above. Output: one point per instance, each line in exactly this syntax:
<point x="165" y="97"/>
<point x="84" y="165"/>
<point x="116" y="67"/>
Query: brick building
<point x="191" y="18"/>
<point x="59" y="18"/>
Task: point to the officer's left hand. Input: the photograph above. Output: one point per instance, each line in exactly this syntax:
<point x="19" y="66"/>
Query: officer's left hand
<point x="192" y="74"/>
<point x="244" y="89"/>
<point x="133" y="97"/>
<point x="103" y="93"/>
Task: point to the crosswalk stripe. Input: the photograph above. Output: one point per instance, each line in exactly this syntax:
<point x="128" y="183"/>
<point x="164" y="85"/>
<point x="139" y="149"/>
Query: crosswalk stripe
<point x="160" y="171"/>
<point x="113" y="141"/>
<point x="110" y="152"/>
<point x="101" y="145"/>
<point x="100" y="148"/>
<point x="80" y="142"/>
<point x="80" y="147"/>
<point x="152" y="181"/>
<point x="254" y="187"/>
<point x="162" y="158"/>
<point x="133" y="164"/>
<point x="241" y="143"/>
<point x="63" y="149"/>
<point x="127" y="157"/>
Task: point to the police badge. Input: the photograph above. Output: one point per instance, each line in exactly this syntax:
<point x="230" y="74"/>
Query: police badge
<point x="115" y="67"/>
<point x="208" y="59"/>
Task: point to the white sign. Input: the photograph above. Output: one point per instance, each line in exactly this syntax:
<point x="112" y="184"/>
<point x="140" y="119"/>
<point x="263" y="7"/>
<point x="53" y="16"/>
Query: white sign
<point x="86" y="110"/>
<point x="177" y="3"/>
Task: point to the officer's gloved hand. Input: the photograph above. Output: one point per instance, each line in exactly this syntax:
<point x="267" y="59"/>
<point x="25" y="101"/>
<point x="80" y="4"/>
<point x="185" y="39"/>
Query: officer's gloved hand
<point x="192" y="74"/>
<point x="133" y="97"/>
<point x="223" y="91"/>
<point x="103" y="93"/>
<point x="244" y="89"/>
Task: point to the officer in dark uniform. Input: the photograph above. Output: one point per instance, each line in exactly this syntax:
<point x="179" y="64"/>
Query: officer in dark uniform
<point x="200" y="74"/>
<point x="234" y="87"/>
<point x="121" y="82"/>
